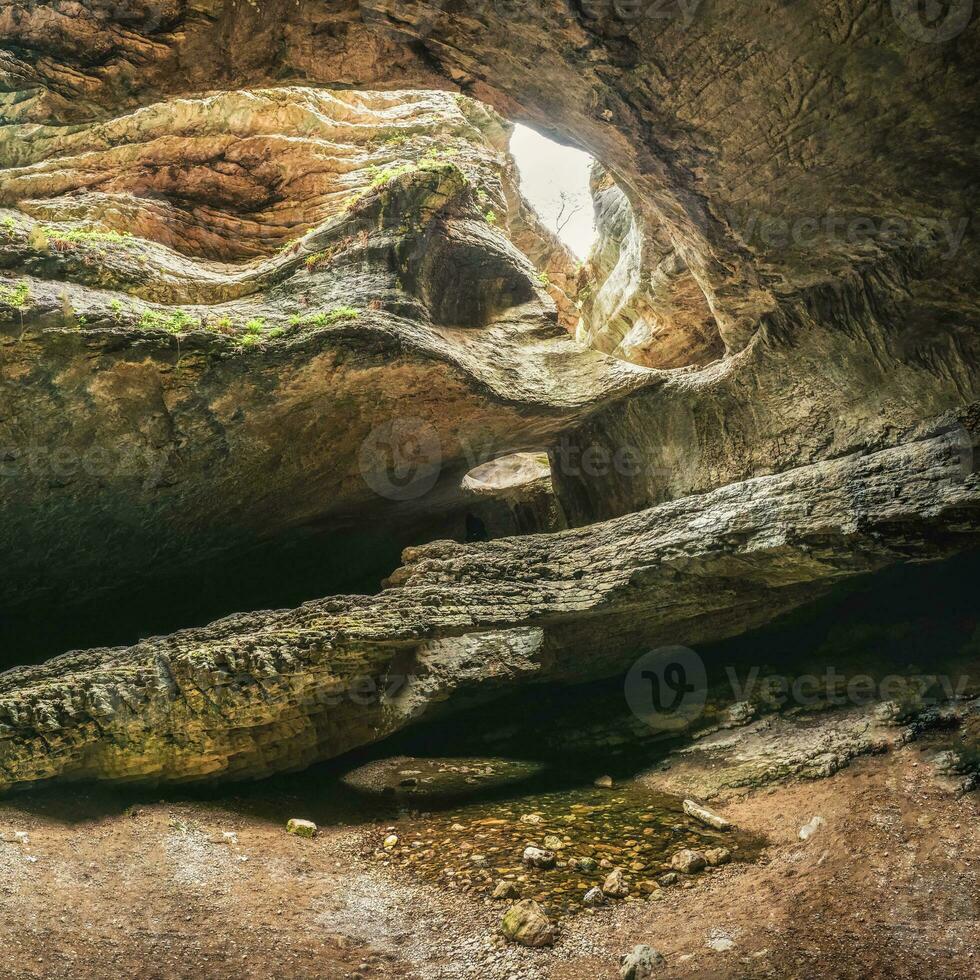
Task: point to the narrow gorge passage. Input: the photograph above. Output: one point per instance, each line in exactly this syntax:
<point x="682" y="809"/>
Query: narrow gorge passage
<point x="488" y="490"/>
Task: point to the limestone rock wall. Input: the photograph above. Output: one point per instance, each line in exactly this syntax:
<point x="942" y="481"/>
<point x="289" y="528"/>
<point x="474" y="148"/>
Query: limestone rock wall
<point x="267" y="691"/>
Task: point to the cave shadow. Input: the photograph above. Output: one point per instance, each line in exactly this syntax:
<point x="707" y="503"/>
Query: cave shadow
<point x="905" y="620"/>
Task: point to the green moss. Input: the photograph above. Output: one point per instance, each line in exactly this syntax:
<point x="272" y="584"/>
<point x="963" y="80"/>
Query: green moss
<point x="276" y="332"/>
<point x="250" y="340"/>
<point x="16" y="295"/>
<point x="314" y="261"/>
<point x="325" y="318"/>
<point x="491" y="217"/>
<point x="80" y="236"/>
<point x="8" y="225"/>
<point x="177" y="322"/>
<point x="544" y="279"/>
<point x="255" y="326"/>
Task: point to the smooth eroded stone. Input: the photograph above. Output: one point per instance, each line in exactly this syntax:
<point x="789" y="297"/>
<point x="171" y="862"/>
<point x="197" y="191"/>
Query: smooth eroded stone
<point x="689" y="861"/>
<point x="525" y="923"/>
<point x="594" y="896"/>
<point x="301" y="828"/>
<point x="505" y="889"/>
<point x="641" y="963"/>
<point x="706" y="816"/>
<point x="810" y="828"/>
<point x="536" y="857"/>
<point x="615" y="885"/>
<point x="717" y="855"/>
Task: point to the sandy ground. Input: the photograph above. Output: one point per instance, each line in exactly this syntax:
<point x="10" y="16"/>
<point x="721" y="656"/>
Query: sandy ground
<point x="104" y="887"/>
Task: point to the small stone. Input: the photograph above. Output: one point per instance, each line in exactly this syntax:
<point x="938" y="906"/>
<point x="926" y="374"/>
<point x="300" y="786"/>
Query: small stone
<point x="531" y="818"/>
<point x="641" y="964"/>
<point x="390" y="841"/>
<point x="809" y="829"/>
<point x="505" y="889"/>
<point x="717" y="855"/>
<point x="739" y="713"/>
<point x="648" y="886"/>
<point x="615" y="884"/>
<point x="688" y="861"/>
<point x="525" y="923"/>
<point x="604" y="782"/>
<point x="587" y="864"/>
<point x="553" y="843"/>
<point x="536" y="857"/>
<point x="301" y="828"/>
<point x="706" y="816"/>
<point x="594" y="897"/>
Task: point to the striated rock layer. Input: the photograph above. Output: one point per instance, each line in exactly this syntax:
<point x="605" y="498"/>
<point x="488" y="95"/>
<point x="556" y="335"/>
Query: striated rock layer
<point x="160" y="405"/>
<point x="262" y="692"/>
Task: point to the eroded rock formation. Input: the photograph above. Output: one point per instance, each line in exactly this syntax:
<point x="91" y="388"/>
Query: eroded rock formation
<point x="262" y="692"/>
<point x="157" y="399"/>
<point x="236" y="304"/>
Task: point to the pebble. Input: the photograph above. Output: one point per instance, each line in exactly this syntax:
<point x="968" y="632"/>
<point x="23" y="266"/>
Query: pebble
<point x="809" y="829"/>
<point x="536" y="857"/>
<point x="688" y="861"/>
<point x="717" y="855"/>
<point x="505" y="889"/>
<point x="641" y="963"/>
<point x="301" y="828"/>
<point x="594" y="896"/>
<point x="615" y="885"/>
<point x="603" y="782"/>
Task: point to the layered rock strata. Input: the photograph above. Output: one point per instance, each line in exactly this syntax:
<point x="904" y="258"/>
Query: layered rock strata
<point x="262" y="692"/>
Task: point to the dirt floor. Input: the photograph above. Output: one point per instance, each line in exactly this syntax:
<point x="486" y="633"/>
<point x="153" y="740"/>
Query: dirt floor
<point x="107" y="887"/>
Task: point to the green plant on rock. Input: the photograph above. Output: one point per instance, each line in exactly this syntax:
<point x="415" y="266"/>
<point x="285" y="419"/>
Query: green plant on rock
<point x="491" y="217"/>
<point x="326" y="318"/>
<point x="255" y="326"/>
<point x="314" y="261"/>
<point x="544" y="279"/>
<point x="16" y="296"/>
<point x="8" y="224"/>
<point x="82" y="236"/>
<point x="276" y="332"/>
<point x="116" y="306"/>
<point x="177" y="322"/>
<point x="249" y="340"/>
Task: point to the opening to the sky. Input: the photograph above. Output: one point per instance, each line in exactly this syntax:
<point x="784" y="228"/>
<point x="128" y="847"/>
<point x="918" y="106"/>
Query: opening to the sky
<point x="555" y="180"/>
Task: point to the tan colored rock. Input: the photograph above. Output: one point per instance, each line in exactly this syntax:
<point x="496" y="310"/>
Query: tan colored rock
<point x="688" y="861"/>
<point x="706" y="816"/>
<point x="526" y="924"/>
<point x="301" y="828"/>
<point x="615" y="885"/>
